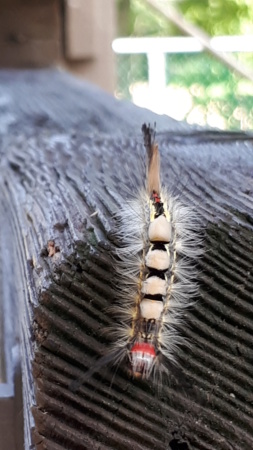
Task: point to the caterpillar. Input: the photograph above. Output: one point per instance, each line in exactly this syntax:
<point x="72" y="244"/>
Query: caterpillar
<point x="158" y="240"/>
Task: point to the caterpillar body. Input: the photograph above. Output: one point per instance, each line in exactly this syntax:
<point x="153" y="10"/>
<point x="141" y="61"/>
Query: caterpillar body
<point x="158" y="241"/>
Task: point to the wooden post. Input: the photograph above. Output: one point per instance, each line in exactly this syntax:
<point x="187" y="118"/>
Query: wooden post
<point x="89" y="29"/>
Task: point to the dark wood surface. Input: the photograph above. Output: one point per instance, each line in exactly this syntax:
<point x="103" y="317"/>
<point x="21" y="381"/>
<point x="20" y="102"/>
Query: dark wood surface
<point x="69" y="151"/>
<point x="30" y="33"/>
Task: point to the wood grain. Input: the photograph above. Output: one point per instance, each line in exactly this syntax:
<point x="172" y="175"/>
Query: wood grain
<point x="70" y="151"/>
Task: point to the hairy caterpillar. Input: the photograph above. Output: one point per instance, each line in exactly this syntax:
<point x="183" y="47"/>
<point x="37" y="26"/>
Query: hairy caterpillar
<point x="158" y="240"/>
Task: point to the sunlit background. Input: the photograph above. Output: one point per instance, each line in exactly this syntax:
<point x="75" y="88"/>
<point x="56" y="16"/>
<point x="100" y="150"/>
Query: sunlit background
<point x="160" y="68"/>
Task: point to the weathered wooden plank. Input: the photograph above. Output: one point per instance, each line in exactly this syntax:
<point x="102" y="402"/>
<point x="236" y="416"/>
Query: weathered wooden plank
<point x="66" y="157"/>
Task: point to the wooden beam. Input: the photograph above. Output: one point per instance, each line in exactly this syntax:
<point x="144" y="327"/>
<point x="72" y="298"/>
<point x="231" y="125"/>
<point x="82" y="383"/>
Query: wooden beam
<point x="67" y="162"/>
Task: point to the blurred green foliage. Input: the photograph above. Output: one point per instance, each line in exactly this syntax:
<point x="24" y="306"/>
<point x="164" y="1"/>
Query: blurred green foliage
<point x="213" y="85"/>
<point x="216" y="17"/>
<point x="219" y="17"/>
<point x="210" y="83"/>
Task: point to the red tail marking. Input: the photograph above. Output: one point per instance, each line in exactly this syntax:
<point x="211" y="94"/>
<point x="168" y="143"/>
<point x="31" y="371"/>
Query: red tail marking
<point x="144" y="348"/>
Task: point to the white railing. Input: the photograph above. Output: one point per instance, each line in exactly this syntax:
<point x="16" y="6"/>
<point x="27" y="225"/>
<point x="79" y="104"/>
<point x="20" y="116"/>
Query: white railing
<point x="156" y="49"/>
<point x="181" y="44"/>
<point x="164" y="99"/>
